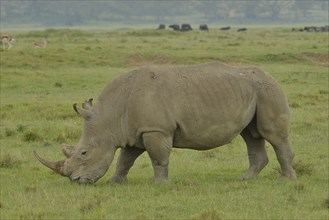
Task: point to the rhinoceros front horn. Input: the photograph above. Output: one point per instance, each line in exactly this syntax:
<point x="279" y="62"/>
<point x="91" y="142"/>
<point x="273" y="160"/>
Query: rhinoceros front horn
<point x="55" y="166"/>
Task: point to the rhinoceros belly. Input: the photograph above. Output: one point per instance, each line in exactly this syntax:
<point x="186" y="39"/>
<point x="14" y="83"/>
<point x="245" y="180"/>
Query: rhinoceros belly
<point x="211" y="114"/>
<point x="208" y="131"/>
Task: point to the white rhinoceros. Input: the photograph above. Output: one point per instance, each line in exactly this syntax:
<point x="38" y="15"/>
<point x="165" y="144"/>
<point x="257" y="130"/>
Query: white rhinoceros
<point x="199" y="107"/>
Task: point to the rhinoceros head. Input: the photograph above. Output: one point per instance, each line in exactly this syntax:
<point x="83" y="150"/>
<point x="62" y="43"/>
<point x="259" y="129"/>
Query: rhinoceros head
<point x="90" y="159"/>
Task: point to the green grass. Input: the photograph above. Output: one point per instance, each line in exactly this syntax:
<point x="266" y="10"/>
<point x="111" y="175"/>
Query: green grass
<point x="39" y="86"/>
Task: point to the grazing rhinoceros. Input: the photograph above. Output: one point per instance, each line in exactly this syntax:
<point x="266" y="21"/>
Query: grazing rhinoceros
<point x="199" y="107"/>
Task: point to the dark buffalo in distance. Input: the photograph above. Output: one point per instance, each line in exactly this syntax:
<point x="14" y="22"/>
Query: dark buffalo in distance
<point x="312" y="29"/>
<point x="175" y="27"/>
<point x="225" y="28"/>
<point x="324" y="28"/>
<point x="203" y="27"/>
<point x="242" y="29"/>
<point x="297" y="29"/>
<point x="162" y="27"/>
<point x="317" y="29"/>
<point x="186" y="27"/>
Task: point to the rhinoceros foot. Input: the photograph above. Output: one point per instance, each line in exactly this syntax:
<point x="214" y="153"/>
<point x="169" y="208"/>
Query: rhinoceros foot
<point x="290" y="174"/>
<point x="249" y="176"/>
<point x="117" y="180"/>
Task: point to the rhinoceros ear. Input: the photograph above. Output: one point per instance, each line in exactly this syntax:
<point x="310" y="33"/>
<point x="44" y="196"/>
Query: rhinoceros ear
<point x="67" y="150"/>
<point x="85" y="113"/>
<point x="88" y="105"/>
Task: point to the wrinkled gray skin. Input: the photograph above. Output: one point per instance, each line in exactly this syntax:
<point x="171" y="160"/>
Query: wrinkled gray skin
<point x="199" y="107"/>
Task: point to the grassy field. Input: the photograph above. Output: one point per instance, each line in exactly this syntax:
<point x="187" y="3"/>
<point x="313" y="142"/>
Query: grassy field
<point x="39" y="86"/>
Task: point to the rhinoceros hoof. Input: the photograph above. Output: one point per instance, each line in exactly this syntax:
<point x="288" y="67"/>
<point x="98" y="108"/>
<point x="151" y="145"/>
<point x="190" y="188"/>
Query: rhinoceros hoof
<point x="248" y="177"/>
<point x="290" y="175"/>
<point x="118" y="180"/>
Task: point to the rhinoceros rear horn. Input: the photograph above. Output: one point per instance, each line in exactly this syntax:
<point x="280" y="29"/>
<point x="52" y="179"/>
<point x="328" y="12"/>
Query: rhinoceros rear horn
<point x="55" y="166"/>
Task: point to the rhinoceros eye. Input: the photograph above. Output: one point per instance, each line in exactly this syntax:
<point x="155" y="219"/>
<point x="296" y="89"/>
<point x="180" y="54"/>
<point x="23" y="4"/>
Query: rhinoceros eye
<point x="84" y="152"/>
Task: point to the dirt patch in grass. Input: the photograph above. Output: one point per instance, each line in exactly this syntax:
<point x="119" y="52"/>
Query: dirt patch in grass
<point x="303" y="168"/>
<point x="142" y="60"/>
<point x="31" y="136"/>
<point x="209" y="214"/>
<point x="317" y="58"/>
<point x="326" y="203"/>
<point x="9" y="161"/>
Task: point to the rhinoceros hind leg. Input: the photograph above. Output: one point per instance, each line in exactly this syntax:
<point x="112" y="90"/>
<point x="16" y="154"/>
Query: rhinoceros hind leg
<point x="285" y="157"/>
<point x="127" y="157"/>
<point x="158" y="146"/>
<point x="277" y="134"/>
<point x="256" y="152"/>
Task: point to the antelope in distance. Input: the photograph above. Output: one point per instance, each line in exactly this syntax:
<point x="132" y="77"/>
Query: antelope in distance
<point x="6" y="39"/>
<point x="41" y="44"/>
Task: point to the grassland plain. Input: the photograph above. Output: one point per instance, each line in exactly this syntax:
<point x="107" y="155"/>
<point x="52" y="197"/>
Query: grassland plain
<point x="39" y="86"/>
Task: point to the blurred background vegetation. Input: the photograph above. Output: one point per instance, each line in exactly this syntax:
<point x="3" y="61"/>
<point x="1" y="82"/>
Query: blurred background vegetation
<point x="69" y="13"/>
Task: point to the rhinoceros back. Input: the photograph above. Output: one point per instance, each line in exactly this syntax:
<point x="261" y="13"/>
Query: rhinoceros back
<point x="201" y="106"/>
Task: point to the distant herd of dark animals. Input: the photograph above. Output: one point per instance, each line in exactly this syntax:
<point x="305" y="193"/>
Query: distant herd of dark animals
<point x="203" y="27"/>
<point x="225" y="28"/>
<point x="183" y="28"/>
<point x="188" y="27"/>
<point x="324" y="28"/>
<point x="242" y="29"/>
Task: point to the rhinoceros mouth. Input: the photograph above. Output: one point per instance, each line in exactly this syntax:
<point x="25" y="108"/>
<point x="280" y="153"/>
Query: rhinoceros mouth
<point x="76" y="179"/>
<point x="83" y="181"/>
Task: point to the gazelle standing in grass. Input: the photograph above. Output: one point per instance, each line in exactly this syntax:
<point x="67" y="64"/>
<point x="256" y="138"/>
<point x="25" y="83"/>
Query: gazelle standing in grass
<point x="41" y="44"/>
<point x="6" y="39"/>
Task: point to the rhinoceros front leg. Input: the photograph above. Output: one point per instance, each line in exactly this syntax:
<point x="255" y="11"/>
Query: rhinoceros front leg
<point x="127" y="157"/>
<point x="256" y="152"/>
<point x="158" y="146"/>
